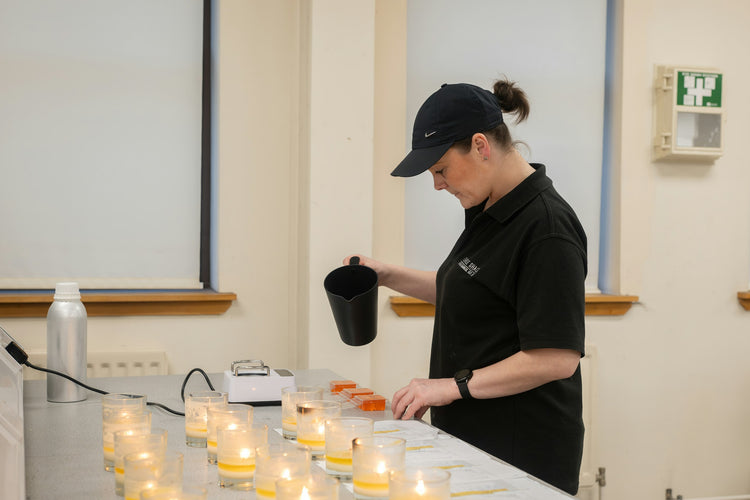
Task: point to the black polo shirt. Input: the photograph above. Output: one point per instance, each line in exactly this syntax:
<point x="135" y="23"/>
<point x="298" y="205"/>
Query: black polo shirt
<point x="515" y="281"/>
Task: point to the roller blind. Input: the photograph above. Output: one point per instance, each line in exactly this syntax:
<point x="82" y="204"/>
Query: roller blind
<point x="100" y="143"/>
<point x="555" y="51"/>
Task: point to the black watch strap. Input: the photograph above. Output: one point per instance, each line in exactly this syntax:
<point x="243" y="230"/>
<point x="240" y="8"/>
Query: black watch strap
<point x="462" y="378"/>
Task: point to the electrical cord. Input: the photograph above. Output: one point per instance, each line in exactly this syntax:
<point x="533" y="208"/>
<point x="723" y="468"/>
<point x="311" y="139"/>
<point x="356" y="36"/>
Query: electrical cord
<point x="22" y="358"/>
<point x="184" y="382"/>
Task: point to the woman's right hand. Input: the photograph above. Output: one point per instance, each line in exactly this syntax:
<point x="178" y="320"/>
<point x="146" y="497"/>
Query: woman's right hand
<point x="375" y="265"/>
<point x="419" y="284"/>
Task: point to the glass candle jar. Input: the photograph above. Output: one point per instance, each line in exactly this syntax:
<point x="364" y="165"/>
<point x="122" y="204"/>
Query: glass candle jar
<point x="225" y="417"/>
<point x="340" y="432"/>
<point x="196" y="415"/>
<point x="311" y="426"/>
<point x="175" y="493"/>
<point x="290" y="398"/>
<point x="311" y="487"/>
<point x="235" y="454"/>
<point x="373" y="459"/>
<point x="130" y="441"/>
<point x="145" y="471"/>
<point x="419" y="484"/>
<point x="121" y="412"/>
<point x="277" y="461"/>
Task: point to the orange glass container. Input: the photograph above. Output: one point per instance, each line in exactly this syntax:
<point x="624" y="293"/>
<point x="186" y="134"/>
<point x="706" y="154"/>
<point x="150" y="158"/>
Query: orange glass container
<point x="339" y="385"/>
<point x="370" y="402"/>
<point x="350" y="393"/>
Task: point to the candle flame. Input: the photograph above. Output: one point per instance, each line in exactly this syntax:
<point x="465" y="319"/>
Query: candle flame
<point x="245" y="453"/>
<point x="232" y="427"/>
<point x="420" y="488"/>
<point x="322" y="428"/>
<point x="304" y="495"/>
<point x="380" y="469"/>
<point x="286" y="474"/>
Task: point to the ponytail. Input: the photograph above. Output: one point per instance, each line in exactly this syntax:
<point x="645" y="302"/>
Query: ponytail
<point x="512" y="99"/>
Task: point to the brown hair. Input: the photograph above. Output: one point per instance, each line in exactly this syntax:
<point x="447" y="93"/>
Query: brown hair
<point x="512" y="101"/>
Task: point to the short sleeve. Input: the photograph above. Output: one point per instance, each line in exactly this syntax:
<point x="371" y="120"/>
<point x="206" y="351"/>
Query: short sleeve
<point x="550" y="295"/>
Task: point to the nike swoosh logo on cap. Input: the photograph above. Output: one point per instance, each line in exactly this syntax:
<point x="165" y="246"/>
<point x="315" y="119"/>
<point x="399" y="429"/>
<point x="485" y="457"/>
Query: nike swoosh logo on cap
<point x="428" y="134"/>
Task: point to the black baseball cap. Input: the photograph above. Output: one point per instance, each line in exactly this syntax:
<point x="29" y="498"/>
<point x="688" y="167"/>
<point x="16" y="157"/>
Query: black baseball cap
<point x="453" y="112"/>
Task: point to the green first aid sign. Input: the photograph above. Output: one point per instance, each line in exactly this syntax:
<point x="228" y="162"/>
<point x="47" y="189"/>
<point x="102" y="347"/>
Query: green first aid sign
<point x="698" y="89"/>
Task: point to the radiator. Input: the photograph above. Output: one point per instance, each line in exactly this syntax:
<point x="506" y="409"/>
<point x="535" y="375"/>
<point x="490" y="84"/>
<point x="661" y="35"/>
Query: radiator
<point x="108" y="364"/>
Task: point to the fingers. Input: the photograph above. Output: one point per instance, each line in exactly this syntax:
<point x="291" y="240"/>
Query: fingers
<point x="410" y="401"/>
<point x="400" y="402"/>
<point x="420" y="413"/>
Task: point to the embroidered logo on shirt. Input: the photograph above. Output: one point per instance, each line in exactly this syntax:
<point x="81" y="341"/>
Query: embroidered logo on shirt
<point x="468" y="266"/>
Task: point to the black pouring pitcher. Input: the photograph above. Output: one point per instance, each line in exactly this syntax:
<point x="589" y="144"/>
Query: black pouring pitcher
<point x="353" y="294"/>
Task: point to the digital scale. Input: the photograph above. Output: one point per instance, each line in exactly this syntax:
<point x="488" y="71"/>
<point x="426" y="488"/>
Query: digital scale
<point x="252" y="381"/>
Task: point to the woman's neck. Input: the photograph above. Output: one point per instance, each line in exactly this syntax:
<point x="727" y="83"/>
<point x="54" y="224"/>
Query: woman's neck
<point x="509" y="171"/>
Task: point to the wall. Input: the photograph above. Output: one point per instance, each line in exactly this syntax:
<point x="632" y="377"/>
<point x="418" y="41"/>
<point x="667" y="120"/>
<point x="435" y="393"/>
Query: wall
<point x="674" y="378"/>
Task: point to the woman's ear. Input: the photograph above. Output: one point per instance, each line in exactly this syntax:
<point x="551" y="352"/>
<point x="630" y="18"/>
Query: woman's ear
<point x="480" y="145"/>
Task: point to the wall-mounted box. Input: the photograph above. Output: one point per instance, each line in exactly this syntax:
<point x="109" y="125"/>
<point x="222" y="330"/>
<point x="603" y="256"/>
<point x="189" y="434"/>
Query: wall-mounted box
<point x="688" y="113"/>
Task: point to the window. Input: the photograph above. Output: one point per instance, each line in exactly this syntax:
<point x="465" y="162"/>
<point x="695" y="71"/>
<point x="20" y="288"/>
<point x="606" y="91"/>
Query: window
<point x="104" y="170"/>
<point x="557" y="56"/>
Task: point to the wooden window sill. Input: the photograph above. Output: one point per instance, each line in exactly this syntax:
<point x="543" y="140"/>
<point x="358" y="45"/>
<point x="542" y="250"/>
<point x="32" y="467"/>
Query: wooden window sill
<point x="744" y="298"/>
<point x="34" y="304"/>
<point x="596" y="305"/>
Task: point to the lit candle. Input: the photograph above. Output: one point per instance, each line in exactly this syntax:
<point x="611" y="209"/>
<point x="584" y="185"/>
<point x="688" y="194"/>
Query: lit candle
<point x="235" y="453"/>
<point x="373" y="458"/>
<point x="310" y="487"/>
<point x="277" y="461"/>
<point x="340" y="432"/>
<point x="121" y="412"/>
<point x="419" y="484"/>
<point x="290" y="398"/>
<point x="147" y="470"/>
<point x="311" y="417"/>
<point x="225" y="417"/>
<point x="175" y="493"/>
<point x="135" y="441"/>
<point x="196" y="416"/>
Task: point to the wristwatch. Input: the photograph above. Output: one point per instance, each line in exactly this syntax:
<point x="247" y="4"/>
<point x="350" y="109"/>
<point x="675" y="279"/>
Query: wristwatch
<point x="462" y="378"/>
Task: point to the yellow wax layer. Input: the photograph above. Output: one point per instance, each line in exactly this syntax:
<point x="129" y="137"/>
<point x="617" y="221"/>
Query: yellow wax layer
<point x="313" y="441"/>
<point x="263" y="493"/>
<point x="371" y="487"/>
<point x="109" y="453"/>
<point x="119" y="471"/>
<point x="341" y="461"/>
<point x="195" y="432"/>
<point x="236" y="471"/>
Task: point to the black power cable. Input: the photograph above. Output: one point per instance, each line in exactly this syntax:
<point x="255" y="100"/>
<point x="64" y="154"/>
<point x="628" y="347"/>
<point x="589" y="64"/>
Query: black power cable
<point x="22" y="358"/>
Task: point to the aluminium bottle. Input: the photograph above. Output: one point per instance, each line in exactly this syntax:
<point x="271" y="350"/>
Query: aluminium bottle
<point x="66" y="344"/>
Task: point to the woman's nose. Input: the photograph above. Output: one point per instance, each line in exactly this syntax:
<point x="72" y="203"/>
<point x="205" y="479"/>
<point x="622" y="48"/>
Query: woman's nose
<point x="439" y="182"/>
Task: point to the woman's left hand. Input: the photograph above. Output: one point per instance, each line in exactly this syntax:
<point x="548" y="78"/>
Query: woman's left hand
<point x="416" y="398"/>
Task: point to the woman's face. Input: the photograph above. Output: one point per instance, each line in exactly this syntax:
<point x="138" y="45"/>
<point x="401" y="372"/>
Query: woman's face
<point x="460" y="174"/>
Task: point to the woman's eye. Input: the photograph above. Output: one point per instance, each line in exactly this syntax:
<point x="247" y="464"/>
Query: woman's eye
<point x="439" y="172"/>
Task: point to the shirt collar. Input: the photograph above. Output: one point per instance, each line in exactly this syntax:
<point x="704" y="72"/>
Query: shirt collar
<point x="521" y="195"/>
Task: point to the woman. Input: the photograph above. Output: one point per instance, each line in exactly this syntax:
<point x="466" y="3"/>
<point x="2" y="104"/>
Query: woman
<point x="509" y="315"/>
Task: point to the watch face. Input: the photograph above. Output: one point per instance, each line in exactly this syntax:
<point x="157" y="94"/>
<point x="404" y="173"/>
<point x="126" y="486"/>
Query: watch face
<point x="462" y="374"/>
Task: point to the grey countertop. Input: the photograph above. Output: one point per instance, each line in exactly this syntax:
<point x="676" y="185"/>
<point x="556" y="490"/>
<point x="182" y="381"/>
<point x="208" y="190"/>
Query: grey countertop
<point x="64" y="447"/>
<point x="63" y="442"/>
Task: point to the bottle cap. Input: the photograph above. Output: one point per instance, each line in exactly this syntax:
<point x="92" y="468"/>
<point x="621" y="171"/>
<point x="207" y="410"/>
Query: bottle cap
<point x="67" y="291"/>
